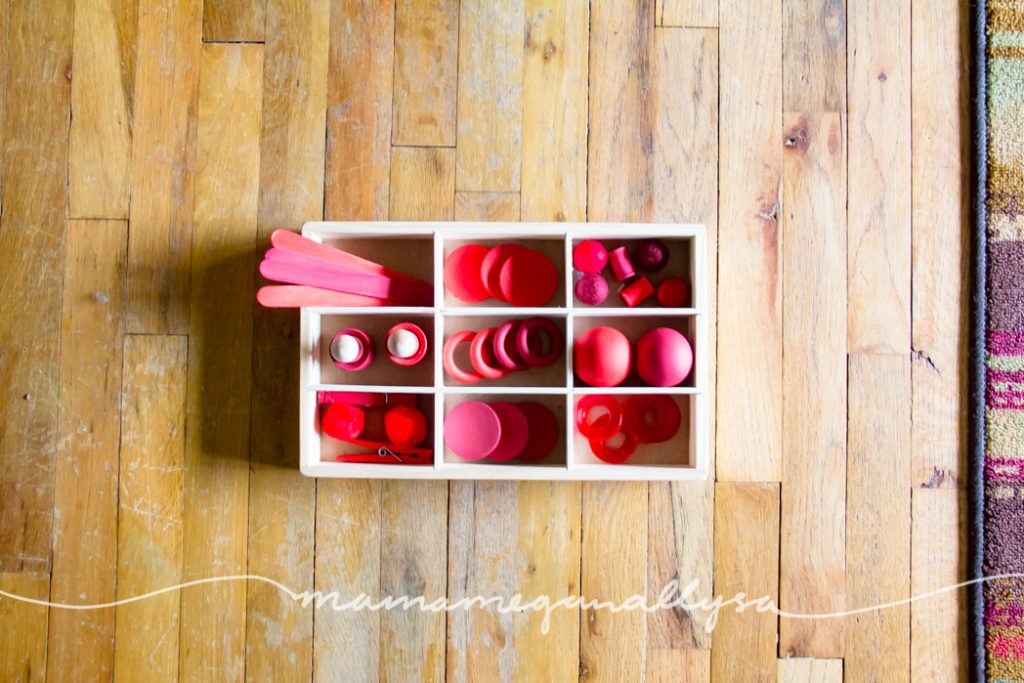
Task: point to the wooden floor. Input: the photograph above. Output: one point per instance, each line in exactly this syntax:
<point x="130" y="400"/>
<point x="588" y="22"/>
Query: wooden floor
<point x="148" y="408"/>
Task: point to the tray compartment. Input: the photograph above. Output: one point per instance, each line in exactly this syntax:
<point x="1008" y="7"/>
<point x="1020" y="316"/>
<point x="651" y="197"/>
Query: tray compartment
<point x="330" y="448"/>
<point x="679" y="451"/>
<point x="634" y="327"/>
<point x="551" y="376"/>
<point x="555" y="402"/>
<point x="382" y="371"/>
<point x="552" y="246"/>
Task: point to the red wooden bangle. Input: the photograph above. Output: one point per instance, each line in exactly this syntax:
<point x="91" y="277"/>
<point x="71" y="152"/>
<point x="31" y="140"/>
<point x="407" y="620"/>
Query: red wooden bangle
<point x="523" y="342"/>
<point x="501" y="351"/>
<point x="614" y="455"/>
<point x="663" y="427"/>
<point x="448" y="358"/>
<point x="478" y="351"/>
<point x="605" y="426"/>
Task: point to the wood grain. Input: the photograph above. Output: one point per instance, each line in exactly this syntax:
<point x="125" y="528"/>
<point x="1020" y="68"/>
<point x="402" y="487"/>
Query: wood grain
<point x="102" y="93"/>
<point x="149" y="526"/>
<point x="234" y="21"/>
<point x="36" y="106"/>
<point x="880" y="189"/>
<point x="938" y="625"/>
<point x="940" y="198"/>
<point x="810" y="671"/>
<point x="85" y="493"/>
<point x="688" y="13"/>
<point x="554" y="146"/>
<point x="613" y="568"/>
<point x="878" y="527"/>
<point x="490" y="126"/>
<point x="746" y="561"/>
<point x="814" y="487"/>
<point x="220" y="360"/>
<point x="163" y="166"/>
<point x="487" y="206"/>
<point x="666" y="666"/>
<point x="749" y="374"/>
<point x="422" y="183"/>
<point x="359" y="91"/>
<point x="426" y="76"/>
<point x="814" y="56"/>
<point x="279" y="635"/>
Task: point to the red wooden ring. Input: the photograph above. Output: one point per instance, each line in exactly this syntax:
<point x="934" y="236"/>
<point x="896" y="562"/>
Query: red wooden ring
<point x="448" y="358"/>
<point x="523" y="342"/>
<point x="478" y="357"/>
<point x="601" y="429"/>
<point x="421" y="337"/>
<point x="501" y="352"/>
<point x="667" y="418"/>
<point x="365" y="350"/>
<point x="616" y="455"/>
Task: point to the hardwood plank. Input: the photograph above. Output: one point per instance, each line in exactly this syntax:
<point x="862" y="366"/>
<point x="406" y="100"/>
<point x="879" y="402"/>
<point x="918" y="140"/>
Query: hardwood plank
<point x="220" y="360"/>
<point x="814" y="56"/>
<point x="622" y="109"/>
<point x="746" y="561"/>
<point x="102" y="92"/>
<point x="666" y="666"/>
<point x="346" y="645"/>
<point x="279" y="635"/>
<point x="413" y="528"/>
<point x="422" y="183"/>
<point x="688" y="13"/>
<point x="487" y="206"/>
<point x="37" y="98"/>
<point x="233" y="21"/>
<point x="426" y="41"/>
<point x="613" y="567"/>
<point x="554" y="145"/>
<point x="548" y="564"/>
<point x="878" y="522"/>
<point x="490" y="105"/>
<point x="5" y="22"/>
<point x="940" y="243"/>
<point x="880" y="188"/>
<point x="814" y="384"/>
<point x="810" y="671"/>
<point x="163" y="166"/>
<point x="80" y="643"/>
<point x="938" y="625"/>
<point x="482" y="524"/>
<point x="749" y="434"/>
<point x="149" y="526"/>
<point x="359" y="92"/>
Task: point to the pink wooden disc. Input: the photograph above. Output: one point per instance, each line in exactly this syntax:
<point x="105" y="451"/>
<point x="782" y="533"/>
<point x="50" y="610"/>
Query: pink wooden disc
<point x="490" y="269"/>
<point x="515" y="431"/>
<point x="462" y="271"/>
<point x="528" y="278"/>
<point x="543" y="431"/>
<point x="472" y="430"/>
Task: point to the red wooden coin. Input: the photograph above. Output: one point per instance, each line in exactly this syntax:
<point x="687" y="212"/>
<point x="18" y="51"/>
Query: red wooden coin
<point x="543" y="431"/>
<point x="472" y="430"/>
<point x="515" y="431"/>
<point x="490" y="269"/>
<point x="462" y="271"/>
<point x="528" y="278"/>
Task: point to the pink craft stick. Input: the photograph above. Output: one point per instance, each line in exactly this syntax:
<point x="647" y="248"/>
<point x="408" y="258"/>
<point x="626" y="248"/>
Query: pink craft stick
<point x="297" y="296"/>
<point x="299" y="270"/>
<point x="296" y="243"/>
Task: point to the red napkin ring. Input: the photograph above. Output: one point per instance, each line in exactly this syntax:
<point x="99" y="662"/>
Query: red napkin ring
<point x="662" y="427"/>
<point x="480" y="349"/>
<point x="523" y="342"/>
<point x="508" y="360"/>
<point x="421" y="338"/>
<point x="448" y="358"/>
<point x="614" y="455"/>
<point x="605" y="426"/>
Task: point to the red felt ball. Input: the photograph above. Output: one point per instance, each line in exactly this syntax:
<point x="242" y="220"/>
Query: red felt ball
<point x="602" y="357"/>
<point x="343" y="421"/>
<point x="405" y="426"/>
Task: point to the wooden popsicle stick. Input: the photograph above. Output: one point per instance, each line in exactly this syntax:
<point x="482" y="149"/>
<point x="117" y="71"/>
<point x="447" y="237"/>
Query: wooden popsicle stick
<point x="297" y="296"/>
<point x="296" y="243"/>
<point x="297" y="270"/>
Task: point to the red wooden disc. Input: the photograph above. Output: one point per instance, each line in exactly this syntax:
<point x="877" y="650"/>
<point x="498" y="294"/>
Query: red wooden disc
<point x="528" y="278"/>
<point x="472" y="430"/>
<point x="543" y="431"/>
<point x="462" y="273"/>
<point x="490" y="269"/>
<point x="515" y="431"/>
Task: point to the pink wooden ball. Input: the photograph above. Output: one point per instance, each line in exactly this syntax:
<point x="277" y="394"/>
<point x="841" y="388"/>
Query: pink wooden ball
<point x="602" y="357"/>
<point x="663" y="357"/>
<point x="590" y="256"/>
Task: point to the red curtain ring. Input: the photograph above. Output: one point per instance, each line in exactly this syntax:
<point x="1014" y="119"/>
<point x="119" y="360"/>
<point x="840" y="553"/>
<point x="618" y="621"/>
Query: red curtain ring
<point x="662" y="427"/>
<point x="614" y="455"/>
<point x="421" y="338"/>
<point x="535" y="359"/>
<point x="606" y="425"/>
<point x="480" y="349"/>
<point x="448" y="358"/>
<point x="508" y="359"/>
<point x="365" y="350"/>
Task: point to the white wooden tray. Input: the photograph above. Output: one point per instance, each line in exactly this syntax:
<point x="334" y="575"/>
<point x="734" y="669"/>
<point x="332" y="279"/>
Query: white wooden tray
<point x="419" y="249"/>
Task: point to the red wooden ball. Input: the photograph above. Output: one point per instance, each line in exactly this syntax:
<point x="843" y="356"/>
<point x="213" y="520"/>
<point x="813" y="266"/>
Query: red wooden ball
<point x="602" y="357"/>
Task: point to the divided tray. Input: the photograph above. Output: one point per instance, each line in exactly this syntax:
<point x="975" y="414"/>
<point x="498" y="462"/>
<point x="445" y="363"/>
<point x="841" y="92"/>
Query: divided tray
<point x="419" y="249"/>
